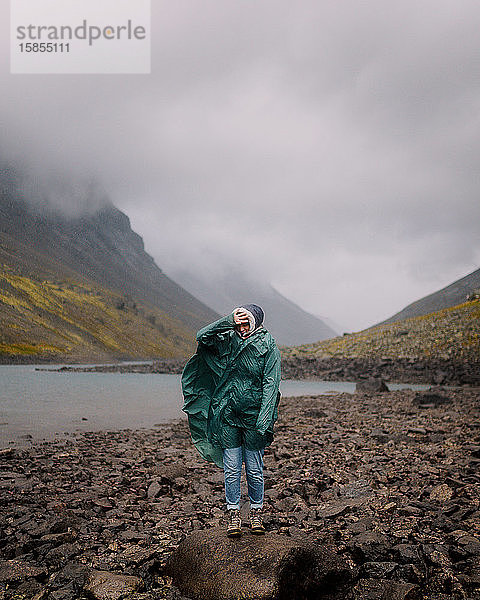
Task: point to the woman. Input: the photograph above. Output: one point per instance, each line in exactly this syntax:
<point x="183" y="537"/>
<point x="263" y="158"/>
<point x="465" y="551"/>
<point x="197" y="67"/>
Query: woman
<point x="230" y="387"/>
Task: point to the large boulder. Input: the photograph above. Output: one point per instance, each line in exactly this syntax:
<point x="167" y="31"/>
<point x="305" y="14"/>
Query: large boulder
<point x="429" y="399"/>
<point x="372" y="385"/>
<point x="208" y="565"/>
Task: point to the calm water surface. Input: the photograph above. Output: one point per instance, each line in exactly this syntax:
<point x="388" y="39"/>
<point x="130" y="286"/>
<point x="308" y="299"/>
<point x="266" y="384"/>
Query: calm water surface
<point x="44" y="404"/>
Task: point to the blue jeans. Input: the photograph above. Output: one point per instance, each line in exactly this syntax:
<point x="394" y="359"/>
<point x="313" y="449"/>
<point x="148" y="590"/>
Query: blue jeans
<point x="232" y="466"/>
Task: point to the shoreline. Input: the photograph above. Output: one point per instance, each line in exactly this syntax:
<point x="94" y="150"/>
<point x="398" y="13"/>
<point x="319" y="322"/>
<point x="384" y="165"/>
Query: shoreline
<point x="433" y="371"/>
<point x="392" y="480"/>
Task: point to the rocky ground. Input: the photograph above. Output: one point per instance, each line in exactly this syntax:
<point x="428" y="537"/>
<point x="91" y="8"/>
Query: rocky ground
<point x="435" y="371"/>
<point x="392" y="479"/>
<point x="162" y="365"/>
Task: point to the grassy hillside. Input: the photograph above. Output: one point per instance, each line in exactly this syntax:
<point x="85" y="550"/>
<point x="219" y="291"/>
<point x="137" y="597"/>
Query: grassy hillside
<point x="82" y="287"/>
<point x="449" y="333"/>
<point x="65" y="319"/>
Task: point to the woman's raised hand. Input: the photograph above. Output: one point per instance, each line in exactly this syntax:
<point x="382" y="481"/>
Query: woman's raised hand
<point x="240" y="316"/>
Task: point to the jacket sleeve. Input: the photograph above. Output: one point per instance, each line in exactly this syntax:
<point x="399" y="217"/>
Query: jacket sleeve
<point x="208" y="335"/>
<point x="270" y="384"/>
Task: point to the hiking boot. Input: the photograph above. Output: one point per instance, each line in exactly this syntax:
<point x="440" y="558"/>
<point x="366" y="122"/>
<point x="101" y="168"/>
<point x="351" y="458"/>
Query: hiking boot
<point x="234" y="528"/>
<point x="256" y="521"/>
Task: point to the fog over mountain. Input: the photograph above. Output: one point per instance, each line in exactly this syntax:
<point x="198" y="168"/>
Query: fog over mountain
<point x="329" y="147"/>
<point x="235" y="286"/>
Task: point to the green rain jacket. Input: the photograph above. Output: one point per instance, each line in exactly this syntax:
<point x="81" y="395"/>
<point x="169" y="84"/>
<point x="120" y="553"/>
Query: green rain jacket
<point x="228" y="383"/>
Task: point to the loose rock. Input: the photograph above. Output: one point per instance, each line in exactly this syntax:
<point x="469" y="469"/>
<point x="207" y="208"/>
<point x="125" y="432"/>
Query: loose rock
<point x="19" y="570"/>
<point x="372" y="385"/>
<point x="102" y="585"/>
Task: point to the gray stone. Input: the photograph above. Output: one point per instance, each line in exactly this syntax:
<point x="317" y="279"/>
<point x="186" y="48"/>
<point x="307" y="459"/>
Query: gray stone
<point x="371" y="546"/>
<point x="30" y="590"/>
<point x="272" y="494"/>
<point x="466" y="543"/>
<point x="71" y="575"/>
<point x="441" y="493"/>
<point x="378" y="570"/>
<point x="103" y="585"/>
<point x="357" y="489"/>
<point x="65" y="593"/>
<point x="374" y="589"/>
<point x="333" y="510"/>
<point x="429" y="399"/>
<point x="154" y="489"/>
<point x="19" y="570"/>
<point x="286" y="505"/>
<point x="406" y="553"/>
<point x="170" y="472"/>
<point x="61" y="554"/>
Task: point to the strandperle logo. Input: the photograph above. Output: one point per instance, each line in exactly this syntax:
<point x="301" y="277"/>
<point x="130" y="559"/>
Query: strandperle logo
<point x="80" y="36"/>
<point x="84" y="31"/>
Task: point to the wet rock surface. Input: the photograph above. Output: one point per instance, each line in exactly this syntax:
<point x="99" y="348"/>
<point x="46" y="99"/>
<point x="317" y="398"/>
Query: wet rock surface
<point x="392" y="480"/>
<point x="209" y="566"/>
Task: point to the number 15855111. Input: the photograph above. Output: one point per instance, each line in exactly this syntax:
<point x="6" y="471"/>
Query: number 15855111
<point x="44" y="47"/>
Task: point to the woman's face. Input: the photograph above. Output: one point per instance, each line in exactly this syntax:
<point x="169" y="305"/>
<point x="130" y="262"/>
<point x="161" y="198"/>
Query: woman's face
<point x="243" y="328"/>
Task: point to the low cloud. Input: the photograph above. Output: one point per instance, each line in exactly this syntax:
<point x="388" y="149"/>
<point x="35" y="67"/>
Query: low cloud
<point x="330" y="147"/>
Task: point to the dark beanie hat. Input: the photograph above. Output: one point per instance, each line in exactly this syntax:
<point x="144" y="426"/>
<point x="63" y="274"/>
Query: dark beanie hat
<point x="257" y="312"/>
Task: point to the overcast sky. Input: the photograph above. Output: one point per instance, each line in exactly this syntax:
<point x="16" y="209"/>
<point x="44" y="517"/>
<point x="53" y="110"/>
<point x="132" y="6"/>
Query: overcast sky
<point x="331" y="146"/>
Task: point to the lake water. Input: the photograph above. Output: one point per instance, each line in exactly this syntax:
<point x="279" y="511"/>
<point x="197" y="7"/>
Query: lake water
<point x="45" y="405"/>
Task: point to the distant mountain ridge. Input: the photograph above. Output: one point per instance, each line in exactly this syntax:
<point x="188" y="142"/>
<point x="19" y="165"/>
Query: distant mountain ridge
<point x="451" y="295"/>
<point x="288" y="322"/>
<point x="45" y="254"/>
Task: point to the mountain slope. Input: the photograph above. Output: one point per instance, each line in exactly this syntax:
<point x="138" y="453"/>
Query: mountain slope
<point x="451" y="295"/>
<point x="287" y="322"/>
<point x="451" y="333"/>
<point x="87" y="278"/>
<point x="65" y="320"/>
